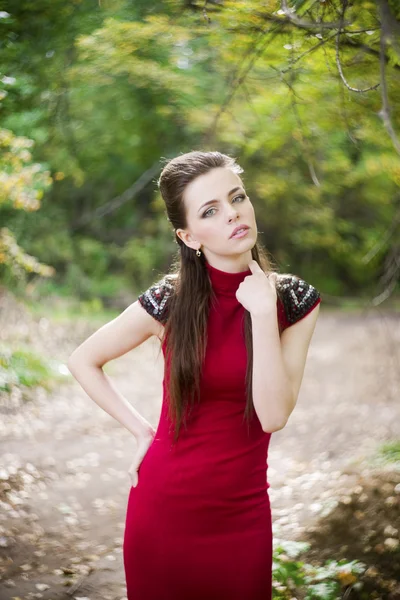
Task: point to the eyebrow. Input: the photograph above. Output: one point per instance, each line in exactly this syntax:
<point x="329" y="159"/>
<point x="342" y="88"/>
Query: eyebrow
<point x="235" y="189"/>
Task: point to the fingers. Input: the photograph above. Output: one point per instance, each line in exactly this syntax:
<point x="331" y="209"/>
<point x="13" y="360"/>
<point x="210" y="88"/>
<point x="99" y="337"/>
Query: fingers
<point x="141" y="450"/>
<point x="134" y="477"/>
<point x="133" y="473"/>
<point x="255" y="267"/>
<point x="272" y="278"/>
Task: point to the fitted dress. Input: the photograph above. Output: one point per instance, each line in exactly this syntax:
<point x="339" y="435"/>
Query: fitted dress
<point x="198" y="523"/>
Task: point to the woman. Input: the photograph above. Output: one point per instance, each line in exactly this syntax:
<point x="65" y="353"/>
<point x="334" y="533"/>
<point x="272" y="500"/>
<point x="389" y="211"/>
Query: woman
<point x="198" y="521"/>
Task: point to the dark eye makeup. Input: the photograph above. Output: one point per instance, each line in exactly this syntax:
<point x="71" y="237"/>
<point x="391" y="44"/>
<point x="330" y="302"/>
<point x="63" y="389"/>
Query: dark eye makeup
<point x="242" y="196"/>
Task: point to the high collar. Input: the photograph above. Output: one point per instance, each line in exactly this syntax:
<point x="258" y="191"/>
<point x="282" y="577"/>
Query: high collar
<point x="224" y="282"/>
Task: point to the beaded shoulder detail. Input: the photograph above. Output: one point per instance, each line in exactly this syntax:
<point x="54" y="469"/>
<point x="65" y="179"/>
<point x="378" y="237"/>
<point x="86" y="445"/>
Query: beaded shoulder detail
<point x="298" y="297"/>
<point x="155" y="299"/>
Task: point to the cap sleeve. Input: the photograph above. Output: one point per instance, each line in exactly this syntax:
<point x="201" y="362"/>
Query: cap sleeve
<point x="155" y="299"/>
<point x="299" y="298"/>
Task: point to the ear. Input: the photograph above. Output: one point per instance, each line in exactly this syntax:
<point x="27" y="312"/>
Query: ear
<point x="187" y="238"/>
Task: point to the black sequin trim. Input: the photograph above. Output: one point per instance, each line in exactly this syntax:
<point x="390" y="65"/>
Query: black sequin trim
<point x="155" y="299"/>
<point x="298" y="297"/>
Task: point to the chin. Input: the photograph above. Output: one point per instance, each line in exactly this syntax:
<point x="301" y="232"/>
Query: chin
<point x="251" y="242"/>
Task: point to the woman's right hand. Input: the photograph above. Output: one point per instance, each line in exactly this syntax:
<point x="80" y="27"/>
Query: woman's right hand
<point x="143" y="443"/>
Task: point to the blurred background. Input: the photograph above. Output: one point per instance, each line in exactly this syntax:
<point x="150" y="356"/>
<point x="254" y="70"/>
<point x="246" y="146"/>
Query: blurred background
<point x="305" y="95"/>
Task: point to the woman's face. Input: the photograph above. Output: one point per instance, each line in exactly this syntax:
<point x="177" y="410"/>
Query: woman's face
<point x="216" y="203"/>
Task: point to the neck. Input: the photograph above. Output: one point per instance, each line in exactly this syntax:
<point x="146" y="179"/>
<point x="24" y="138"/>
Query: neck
<point x="231" y="265"/>
<point x="225" y="282"/>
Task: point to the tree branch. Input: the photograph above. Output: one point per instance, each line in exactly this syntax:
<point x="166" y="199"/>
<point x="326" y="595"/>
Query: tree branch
<point x="118" y="201"/>
<point x="339" y="66"/>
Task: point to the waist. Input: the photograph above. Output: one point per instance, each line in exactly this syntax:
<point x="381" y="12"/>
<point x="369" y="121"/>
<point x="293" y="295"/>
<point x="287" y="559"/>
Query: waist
<point x="217" y="469"/>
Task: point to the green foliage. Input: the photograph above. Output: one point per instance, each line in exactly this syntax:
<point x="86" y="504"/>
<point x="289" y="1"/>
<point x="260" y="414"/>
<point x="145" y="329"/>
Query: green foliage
<point x="87" y="295"/>
<point x="63" y="308"/>
<point x="112" y="87"/>
<point x="390" y="451"/>
<point x="24" y="368"/>
<point x="287" y="572"/>
<point x="326" y="582"/>
<point x="22" y="184"/>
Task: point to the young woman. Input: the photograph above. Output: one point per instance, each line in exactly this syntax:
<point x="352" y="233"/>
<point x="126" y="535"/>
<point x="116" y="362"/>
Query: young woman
<point x="198" y="521"/>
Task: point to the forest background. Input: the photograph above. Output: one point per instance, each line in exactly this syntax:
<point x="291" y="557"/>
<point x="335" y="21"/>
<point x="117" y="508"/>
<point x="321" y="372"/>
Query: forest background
<point x="94" y="94"/>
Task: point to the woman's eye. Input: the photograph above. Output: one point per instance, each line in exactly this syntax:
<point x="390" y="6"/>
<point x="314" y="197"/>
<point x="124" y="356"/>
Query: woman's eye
<point x="240" y="196"/>
<point x="207" y="211"/>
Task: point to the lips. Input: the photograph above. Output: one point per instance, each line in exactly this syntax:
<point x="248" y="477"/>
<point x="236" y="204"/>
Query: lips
<point x="237" y="229"/>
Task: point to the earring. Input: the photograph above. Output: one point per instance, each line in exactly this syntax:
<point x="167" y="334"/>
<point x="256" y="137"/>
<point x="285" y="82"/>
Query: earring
<point x="198" y="253"/>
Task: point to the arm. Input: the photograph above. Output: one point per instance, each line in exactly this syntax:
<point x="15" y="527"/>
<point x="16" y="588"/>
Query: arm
<point x="285" y="356"/>
<point x="272" y="390"/>
<point x="295" y="342"/>
<point x="127" y="331"/>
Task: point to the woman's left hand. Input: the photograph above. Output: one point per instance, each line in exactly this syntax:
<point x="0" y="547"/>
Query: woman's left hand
<point x="143" y="441"/>
<point x="257" y="292"/>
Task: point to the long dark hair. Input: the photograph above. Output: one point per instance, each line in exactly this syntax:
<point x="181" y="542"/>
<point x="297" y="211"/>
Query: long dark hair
<point x="185" y="331"/>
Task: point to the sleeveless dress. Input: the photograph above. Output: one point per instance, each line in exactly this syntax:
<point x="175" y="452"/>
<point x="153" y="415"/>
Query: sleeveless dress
<point x="198" y="524"/>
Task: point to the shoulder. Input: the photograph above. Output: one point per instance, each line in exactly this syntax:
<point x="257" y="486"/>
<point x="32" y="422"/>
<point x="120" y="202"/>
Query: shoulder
<point x="298" y="297"/>
<point x="155" y="299"/>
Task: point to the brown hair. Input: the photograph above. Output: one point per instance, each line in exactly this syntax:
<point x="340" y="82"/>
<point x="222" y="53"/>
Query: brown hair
<point x="185" y="330"/>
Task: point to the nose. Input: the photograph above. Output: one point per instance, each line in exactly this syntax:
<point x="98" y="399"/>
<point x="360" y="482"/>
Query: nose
<point x="232" y="214"/>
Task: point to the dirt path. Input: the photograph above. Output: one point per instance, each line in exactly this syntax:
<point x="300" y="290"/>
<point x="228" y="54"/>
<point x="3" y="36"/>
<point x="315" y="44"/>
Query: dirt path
<point x="67" y="460"/>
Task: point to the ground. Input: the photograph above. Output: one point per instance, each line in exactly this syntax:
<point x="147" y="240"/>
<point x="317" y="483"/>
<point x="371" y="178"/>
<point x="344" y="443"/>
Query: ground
<point x="64" y="479"/>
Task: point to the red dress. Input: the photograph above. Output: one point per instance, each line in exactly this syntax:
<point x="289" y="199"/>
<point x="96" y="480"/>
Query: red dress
<point x="198" y="524"/>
